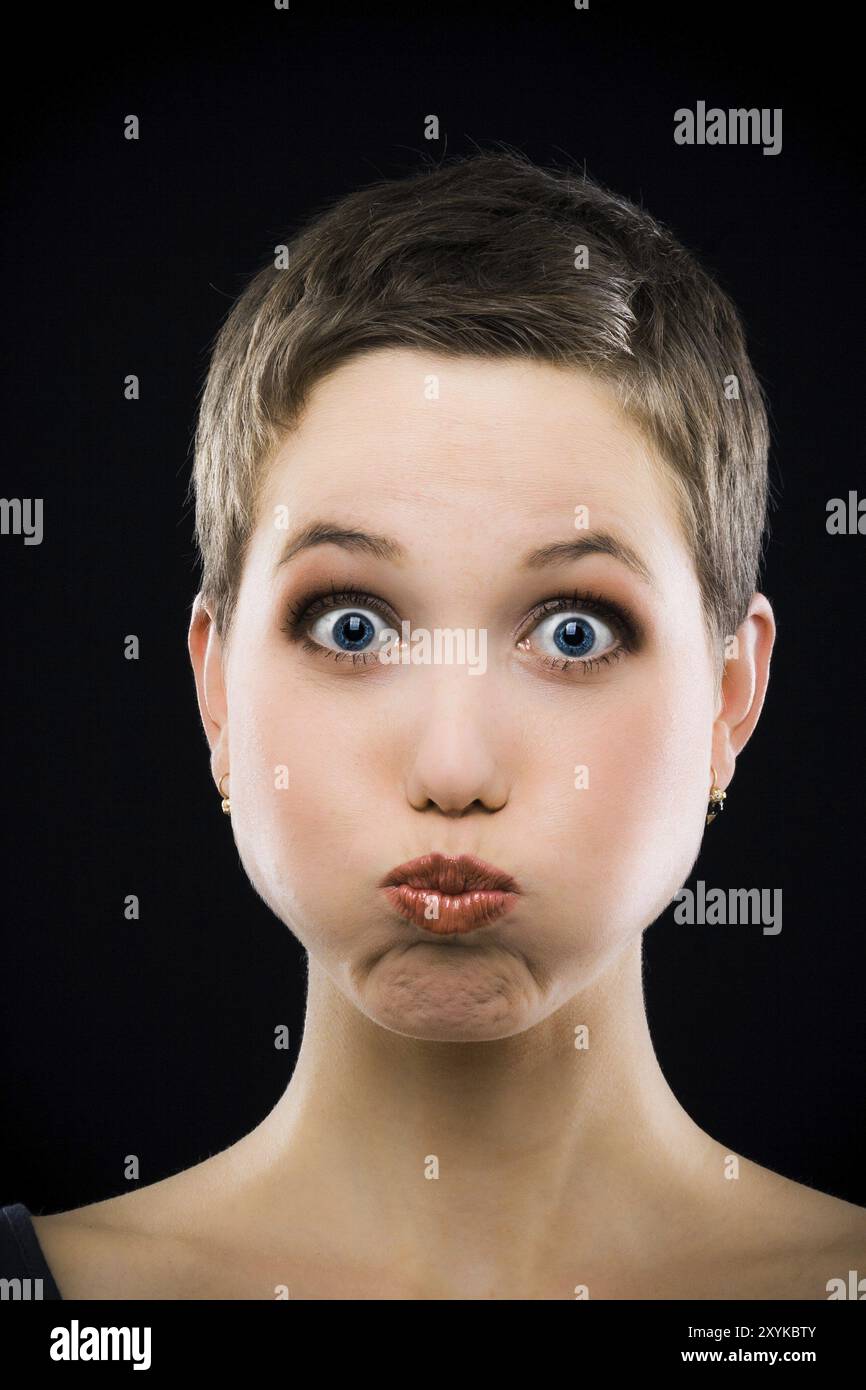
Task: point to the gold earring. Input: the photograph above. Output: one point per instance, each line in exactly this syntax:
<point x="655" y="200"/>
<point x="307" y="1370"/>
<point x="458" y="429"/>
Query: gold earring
<point x="226" y="804"/>
<point x="717" y="800"/>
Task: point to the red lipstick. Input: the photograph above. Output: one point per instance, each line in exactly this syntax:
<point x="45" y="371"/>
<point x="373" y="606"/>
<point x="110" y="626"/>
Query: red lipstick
<point x="448" y="893"/>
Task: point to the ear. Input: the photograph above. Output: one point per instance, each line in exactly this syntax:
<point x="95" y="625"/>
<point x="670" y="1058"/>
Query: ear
<point x="744" y="685"/>
<point x="206" y="655"/>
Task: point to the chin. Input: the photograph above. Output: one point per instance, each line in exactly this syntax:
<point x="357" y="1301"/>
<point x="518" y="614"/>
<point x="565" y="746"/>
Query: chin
<point x="441" y="992"/>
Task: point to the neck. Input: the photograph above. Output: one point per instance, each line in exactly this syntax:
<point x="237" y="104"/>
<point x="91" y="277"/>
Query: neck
<point x="489" y="1155"/>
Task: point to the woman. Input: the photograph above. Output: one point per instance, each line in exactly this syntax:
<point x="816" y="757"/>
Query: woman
<point x="480" y="477"/>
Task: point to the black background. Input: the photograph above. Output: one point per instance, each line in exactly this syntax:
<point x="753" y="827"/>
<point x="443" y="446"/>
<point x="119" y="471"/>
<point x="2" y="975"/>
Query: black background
<point x="156" y="1037"/>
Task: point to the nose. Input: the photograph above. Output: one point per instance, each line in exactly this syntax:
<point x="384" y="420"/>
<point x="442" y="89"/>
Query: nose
<point x="458" y="762"/>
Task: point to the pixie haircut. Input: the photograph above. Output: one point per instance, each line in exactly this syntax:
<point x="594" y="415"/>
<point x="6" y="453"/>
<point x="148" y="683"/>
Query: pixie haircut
<point x="492" y="256"/>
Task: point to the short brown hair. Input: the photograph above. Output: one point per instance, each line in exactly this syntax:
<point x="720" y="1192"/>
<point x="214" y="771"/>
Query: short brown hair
<point x="476" y="257"/>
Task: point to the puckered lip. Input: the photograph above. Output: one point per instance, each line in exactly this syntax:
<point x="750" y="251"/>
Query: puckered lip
<point x="451" y="874"/>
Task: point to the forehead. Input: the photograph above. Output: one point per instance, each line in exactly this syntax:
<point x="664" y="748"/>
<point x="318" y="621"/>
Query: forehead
<point x="477" y="446"/>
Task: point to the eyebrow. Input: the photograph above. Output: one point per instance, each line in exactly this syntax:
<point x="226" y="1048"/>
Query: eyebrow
<point x="596" y="543"/>
<point x="317" y="533"/>
<point x="349" y="537"/>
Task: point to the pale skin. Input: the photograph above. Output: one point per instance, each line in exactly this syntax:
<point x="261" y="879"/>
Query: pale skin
<point x="557" y="1168"/>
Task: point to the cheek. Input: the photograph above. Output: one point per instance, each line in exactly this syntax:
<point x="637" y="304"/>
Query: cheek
<point x="301" y="783"/>
<point x="621" y="778"/>
<point x="642" y="816"/>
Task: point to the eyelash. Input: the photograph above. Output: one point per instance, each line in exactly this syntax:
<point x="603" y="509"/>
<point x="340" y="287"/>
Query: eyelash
<point x="311" y="605"/>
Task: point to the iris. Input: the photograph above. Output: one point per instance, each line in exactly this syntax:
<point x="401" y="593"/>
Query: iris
<point x="353" y="631"/>
<point x="574" y="637"/>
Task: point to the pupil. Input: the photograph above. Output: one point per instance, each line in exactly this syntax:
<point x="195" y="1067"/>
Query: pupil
<point x="574" y="637"/>
<point x="353" y="630"/>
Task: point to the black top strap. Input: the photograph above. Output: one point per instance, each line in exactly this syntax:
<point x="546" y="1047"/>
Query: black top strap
<point x="21" y="1254"/>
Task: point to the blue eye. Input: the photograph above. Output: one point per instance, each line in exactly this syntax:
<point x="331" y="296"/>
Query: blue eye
<point x="576" y="635"/>
<point x="345" y="630"/>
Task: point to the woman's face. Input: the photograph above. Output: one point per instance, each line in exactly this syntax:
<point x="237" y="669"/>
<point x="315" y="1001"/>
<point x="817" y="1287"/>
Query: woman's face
<point x="575" y="757"/>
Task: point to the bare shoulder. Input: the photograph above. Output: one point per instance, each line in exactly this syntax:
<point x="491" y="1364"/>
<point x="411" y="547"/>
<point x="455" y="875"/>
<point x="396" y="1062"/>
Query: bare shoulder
<point x="149" y="1243"/>
<point x="814" y="1214"/>
<point x="792" y="1240"/>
